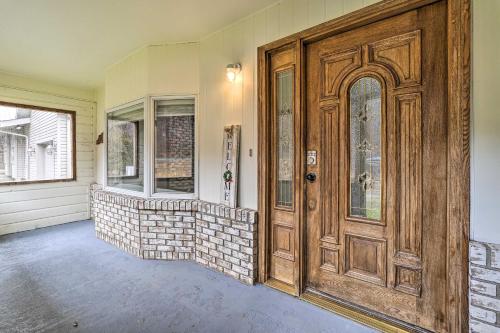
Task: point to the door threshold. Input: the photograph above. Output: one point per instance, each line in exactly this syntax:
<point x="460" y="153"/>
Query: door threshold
<point x="366" y="317"/>
<point x="359" y="315"/>
<point x="281" y="286"/>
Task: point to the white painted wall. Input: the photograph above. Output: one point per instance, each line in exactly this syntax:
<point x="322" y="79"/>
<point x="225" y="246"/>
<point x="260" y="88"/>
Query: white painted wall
<point x="24" y="207"/>
<point x="154" y="70"/>
<point x="485" y="189"/>
<point x="100" y="124"/>
<point x="199" y="68"/>
<point x="224" y="103"/>
<point x="174" y="69"/>
<point x="127" y="80"/>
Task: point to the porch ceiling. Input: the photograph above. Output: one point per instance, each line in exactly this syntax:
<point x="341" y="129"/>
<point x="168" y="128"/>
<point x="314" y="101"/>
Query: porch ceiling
<point x="72" y="42"/>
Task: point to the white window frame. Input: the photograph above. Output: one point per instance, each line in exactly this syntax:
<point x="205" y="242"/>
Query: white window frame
<point x="163" y="195"/>
<point x="139" y="101"/>
<point x="148" y="103"/>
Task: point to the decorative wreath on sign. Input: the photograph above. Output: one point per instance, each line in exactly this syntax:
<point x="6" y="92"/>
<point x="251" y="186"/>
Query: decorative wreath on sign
<point x="228" y="176"/>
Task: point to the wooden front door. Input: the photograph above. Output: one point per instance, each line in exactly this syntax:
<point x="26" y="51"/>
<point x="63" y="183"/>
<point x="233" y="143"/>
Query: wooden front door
<point x="376" y="183"/>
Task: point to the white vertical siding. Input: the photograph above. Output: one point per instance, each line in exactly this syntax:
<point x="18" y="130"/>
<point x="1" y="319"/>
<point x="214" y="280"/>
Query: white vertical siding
<point x="485" y="189"/>
<point x="193" y="67"/>
<point x="29" y="206"/>
<point x="224" y="103"/>
<point x="20" y="157"/>
<point x="43" y="128"/>
<point x="156" y="70"/>
<point x="63" y="141"/>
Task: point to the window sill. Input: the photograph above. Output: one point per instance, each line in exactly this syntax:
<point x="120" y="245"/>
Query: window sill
<point x="143" y="196"/>
<point x="167" y="196"/>
<point x="42" y="181"/>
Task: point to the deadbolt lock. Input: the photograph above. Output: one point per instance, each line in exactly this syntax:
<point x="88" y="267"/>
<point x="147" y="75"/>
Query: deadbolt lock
<point x="311" y="177"/>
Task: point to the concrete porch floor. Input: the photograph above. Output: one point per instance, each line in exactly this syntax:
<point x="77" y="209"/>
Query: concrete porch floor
<point x="52" y="277"/>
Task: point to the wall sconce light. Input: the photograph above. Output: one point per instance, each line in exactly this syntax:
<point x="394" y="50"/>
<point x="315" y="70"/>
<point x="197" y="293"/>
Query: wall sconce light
<point x="31" y="151"/>
<point x="232" y="71"/>
<point x="51" y="149"/>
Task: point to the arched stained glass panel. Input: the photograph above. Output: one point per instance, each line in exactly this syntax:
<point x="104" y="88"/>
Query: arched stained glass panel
<point x="365" y="149"/>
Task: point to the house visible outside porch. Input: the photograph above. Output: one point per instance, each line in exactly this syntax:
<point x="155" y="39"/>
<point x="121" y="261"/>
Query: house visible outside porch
<point x="35" y="145"/>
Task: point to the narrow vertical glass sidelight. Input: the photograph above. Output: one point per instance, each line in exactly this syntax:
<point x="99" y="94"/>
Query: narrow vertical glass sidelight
<point x="284" y="135"/>
<point x="365" y="148"/>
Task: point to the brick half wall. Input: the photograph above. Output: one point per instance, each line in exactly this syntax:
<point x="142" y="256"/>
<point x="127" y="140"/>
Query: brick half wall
<point x="214" y="235"/>
<point x="167" y="234"/>
<point x="226" y="240"/>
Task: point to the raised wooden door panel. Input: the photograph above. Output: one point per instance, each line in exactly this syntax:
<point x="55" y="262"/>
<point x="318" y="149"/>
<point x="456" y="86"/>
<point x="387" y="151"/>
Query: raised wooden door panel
<point x="283" y="176"/>
<point x="376" y="214"/>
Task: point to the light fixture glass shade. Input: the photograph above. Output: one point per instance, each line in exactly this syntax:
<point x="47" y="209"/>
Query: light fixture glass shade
<point x="232" y="71"/>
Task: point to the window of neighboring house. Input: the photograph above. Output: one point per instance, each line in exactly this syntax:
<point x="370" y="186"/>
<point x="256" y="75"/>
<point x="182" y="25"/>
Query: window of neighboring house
<point x="125" y="141"/>
<point x="151" y="151"/>
<point x="36" y="144"/>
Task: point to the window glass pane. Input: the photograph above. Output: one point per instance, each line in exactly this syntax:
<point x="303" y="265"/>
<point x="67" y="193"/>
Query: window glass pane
<point x="365" y="127"/>
<point x="126" y="148"/>
<point x="174" y="146"/>
<point x="284" y="107"/>
<point x="35" y="145"/>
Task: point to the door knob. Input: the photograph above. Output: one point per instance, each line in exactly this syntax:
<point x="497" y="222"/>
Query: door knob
<point x="311" y="177"/>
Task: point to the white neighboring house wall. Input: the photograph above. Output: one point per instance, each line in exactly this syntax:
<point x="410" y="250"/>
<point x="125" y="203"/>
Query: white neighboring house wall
<point x="20" y="158"/>
<point x="4" y="157"/>
<point x="40" y="131"/>
<point x="13" y="164"/>
<point x="49" y="128"/>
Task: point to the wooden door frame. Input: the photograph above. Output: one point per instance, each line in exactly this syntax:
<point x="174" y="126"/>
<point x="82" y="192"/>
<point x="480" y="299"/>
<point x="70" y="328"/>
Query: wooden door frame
<point x="458" y="154"/>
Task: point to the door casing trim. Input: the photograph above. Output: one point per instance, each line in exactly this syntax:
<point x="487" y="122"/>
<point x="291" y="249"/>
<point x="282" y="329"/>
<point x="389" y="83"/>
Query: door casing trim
<point x="458" y="154"/>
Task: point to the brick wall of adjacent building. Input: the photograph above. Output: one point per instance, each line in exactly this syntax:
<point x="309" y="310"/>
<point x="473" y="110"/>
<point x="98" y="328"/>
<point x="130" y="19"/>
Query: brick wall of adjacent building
<point x="175" y="136"/>
<point x="174" y="163"/>
<point x="484" y="287"/>
<point x="213" y="235"/>
<point x="175" y="146"/>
